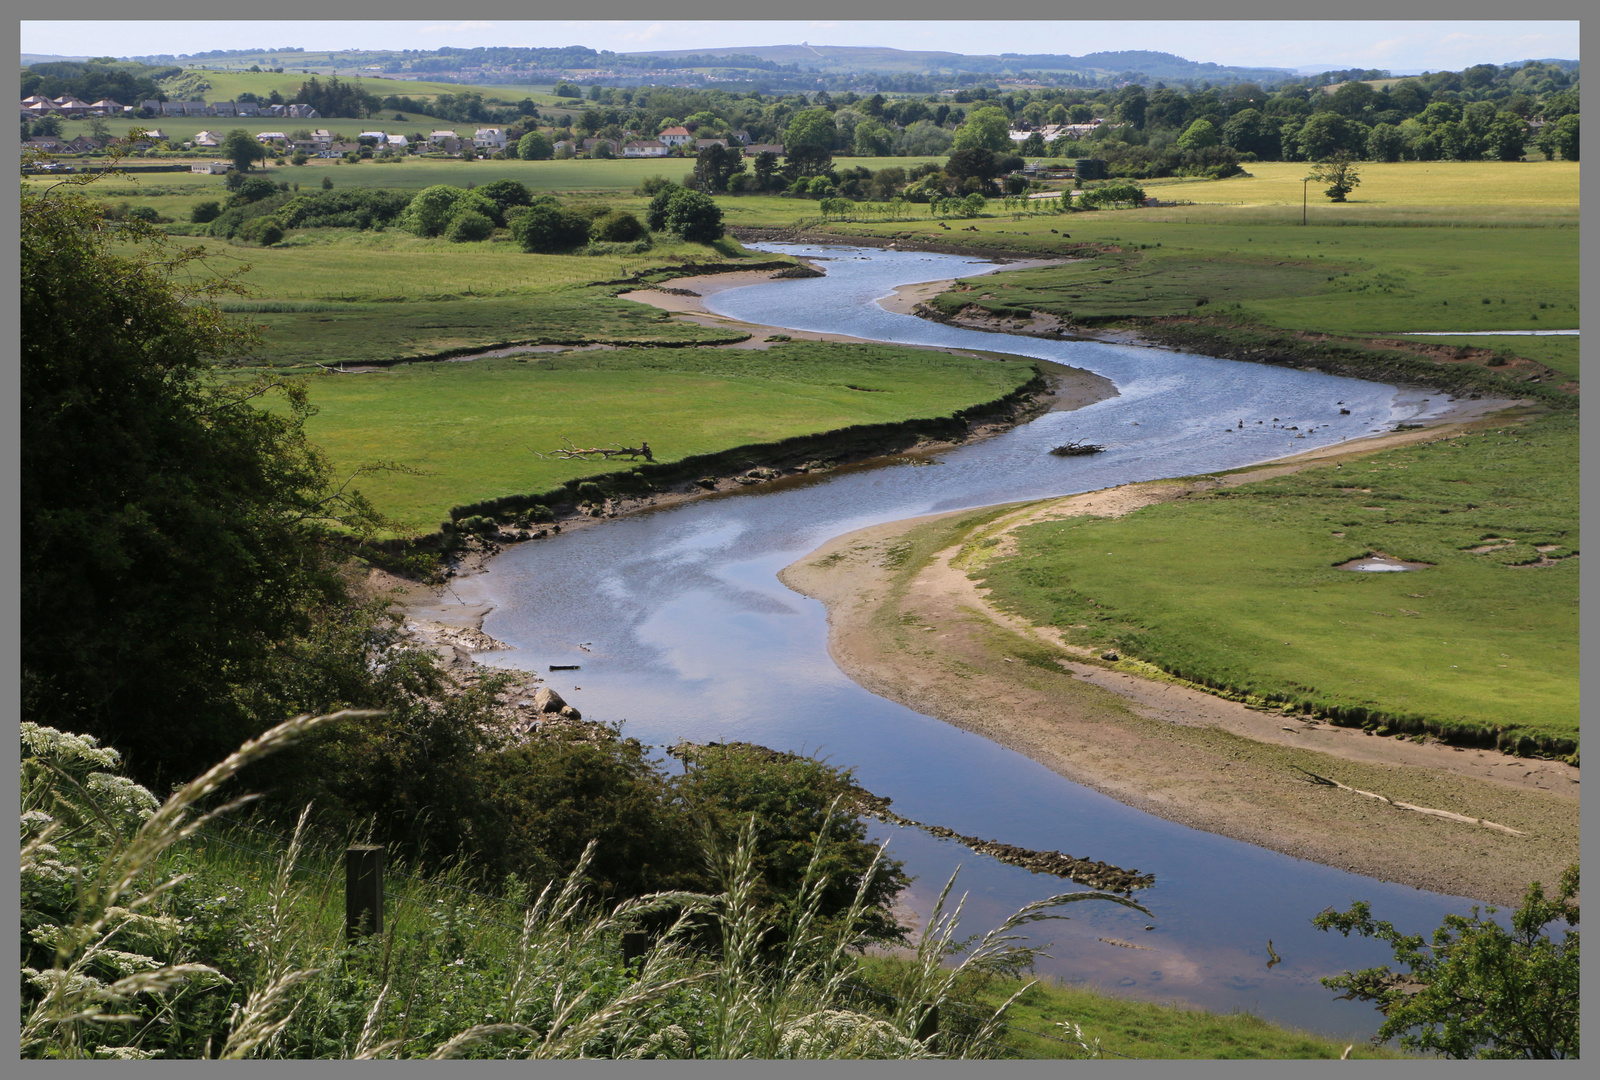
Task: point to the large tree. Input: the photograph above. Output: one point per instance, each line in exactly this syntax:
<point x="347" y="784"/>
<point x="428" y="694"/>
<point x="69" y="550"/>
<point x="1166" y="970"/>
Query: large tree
<point x="243" y="149"/>
<point x="175" y="540"/>
<point x="808" y="141"/>
<point x="987" y="128"/>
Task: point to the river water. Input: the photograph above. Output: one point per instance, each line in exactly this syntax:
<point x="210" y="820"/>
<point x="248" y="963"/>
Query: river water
<point x="688" y="634"/>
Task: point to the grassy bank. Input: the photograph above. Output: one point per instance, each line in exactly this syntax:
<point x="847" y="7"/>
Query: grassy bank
<point x="472" y="429"/>
<point x="1121" y="1027"/>
<point x="1479" y="647"/>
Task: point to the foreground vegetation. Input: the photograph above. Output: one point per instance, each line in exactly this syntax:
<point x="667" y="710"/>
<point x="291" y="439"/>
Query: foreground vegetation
<point x="240" y="918"/>
<point x="1479" y="647"/>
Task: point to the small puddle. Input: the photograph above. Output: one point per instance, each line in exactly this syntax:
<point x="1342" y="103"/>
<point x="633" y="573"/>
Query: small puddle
<point x="1380" y="563"/>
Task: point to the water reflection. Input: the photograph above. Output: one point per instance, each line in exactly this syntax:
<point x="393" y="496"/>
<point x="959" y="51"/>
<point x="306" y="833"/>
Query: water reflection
<point x="693" y="637"/>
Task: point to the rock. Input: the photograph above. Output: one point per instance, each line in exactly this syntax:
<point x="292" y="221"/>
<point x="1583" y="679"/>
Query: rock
<point x="569" y="713"/>
<point x="1111" y="654"/>
<point x="546" y="700"/>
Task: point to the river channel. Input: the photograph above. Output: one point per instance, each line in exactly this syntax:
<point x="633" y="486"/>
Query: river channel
<point x="683" y="630"/>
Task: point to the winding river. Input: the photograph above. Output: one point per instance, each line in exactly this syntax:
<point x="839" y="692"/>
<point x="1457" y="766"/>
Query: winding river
<point x="686" y="633"/>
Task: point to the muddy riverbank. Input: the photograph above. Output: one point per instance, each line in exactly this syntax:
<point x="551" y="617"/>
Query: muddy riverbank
<point x="1464" y="821"/>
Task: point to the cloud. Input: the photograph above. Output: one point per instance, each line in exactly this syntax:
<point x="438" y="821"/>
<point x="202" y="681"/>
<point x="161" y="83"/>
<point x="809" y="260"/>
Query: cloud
<point x="456" y="28"/>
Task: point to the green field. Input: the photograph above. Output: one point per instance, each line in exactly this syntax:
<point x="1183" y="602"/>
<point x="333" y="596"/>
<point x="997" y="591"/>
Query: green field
<point x="474" y="427"/>
<point x="1250" y="601"/>
<point x="1557" y="353"/>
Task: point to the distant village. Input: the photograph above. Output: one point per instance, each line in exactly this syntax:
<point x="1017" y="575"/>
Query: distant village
<point x="676" y="140"/>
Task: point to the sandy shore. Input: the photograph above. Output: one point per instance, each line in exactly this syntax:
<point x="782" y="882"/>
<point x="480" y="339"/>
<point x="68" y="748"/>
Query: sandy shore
<point x="1474" y="822"/>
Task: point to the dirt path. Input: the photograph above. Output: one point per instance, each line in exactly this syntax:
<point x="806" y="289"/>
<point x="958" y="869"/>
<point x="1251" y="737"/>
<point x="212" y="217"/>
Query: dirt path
<point x="928" y="638"/>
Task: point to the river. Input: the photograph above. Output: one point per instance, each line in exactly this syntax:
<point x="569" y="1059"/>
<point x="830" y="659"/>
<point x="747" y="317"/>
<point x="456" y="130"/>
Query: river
<point x="686" y="633"/>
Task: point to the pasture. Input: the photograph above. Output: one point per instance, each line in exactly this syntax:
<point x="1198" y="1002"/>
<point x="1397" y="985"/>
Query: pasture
<point x="472" y="430"/>
<point x="1483" y="640"/>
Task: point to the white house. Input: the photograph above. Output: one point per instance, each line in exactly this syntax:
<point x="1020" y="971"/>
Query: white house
<point x="644" y="148"/>
<point x="398" y="142"/>
<point x="377" y="136"/>
<point x="271" y="136"/>
<point x="440" y="136"/>
<point x="212" y="168"/>
<point x="207" y="138"/>
<point x="675" y="136"/>
<point x="489" y="139"/>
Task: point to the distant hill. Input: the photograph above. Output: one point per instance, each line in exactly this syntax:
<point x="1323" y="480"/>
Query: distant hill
<point x="30" y="58"/>
<point x="855" y="59"/>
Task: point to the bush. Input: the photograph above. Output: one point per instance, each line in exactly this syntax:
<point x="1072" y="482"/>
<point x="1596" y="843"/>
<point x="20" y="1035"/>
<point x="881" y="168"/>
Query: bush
<point x="548" y="226"/>
<point x="205" y="211"/>
<point x="469" y="226"/>
<point x="265" y="231"/>
<point x="693" y="216"/>
<point x="651" y="185"/>
<point x="617" y="226"/>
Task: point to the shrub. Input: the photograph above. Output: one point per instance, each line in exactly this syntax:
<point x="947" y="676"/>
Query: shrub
<point x="469" y="226"/>
<point x="548" y="226"/>
<point x="205" y="212"/>
<point x="617" y="226"/>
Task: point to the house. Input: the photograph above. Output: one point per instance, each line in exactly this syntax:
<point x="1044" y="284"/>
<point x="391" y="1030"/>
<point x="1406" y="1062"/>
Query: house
<point x="451" y="145"/>
<point x="207" y="138"/>
<point x="339" y="149"/>
<point x="224" y="108"/>
<point x="378" y="138"/>
<point x="71" y="106"/>
<point x="248" y="108"/>
<point x="775" y="149"/>
<point x="107" y="107"/>
<point x="398" y="142"/>
<point x="590" y="144"/>
<point x="212" y="168"/>
<point x="742" y="136"/>
<point x="643" y="148"/>
<point x="172" y="108"/>
<point x="322" y="136"/>
<point x="36" y="99"/>
<point x="303" y="112"/>
<point x="440" y="136"/>
<point x="675" y="136"/>
<point x="701" y="144"/>
<point x="271" y="136"/>
<point x="489" y="139"/>
<point x="150" y="105"/>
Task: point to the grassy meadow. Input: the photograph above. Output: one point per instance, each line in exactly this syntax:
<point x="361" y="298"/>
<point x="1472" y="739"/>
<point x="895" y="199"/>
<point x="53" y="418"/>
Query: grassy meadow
<point x="1484" y="640"/>
<point x="472" y="429"/>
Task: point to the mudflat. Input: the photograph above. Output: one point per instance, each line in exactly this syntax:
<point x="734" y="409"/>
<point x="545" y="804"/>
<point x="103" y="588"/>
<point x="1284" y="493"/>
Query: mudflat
<point x="906" y="621"/>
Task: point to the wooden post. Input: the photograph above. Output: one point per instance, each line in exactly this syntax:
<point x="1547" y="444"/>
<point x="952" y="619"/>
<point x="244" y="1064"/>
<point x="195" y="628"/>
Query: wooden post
<point x="363" y="890"/>
<point x="928" y="1030"/>
<point x="634" y="945"/>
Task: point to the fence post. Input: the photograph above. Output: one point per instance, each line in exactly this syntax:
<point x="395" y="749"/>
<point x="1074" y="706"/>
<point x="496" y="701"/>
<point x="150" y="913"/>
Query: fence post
<point x="634" y="945"/>
<point x="363" y="890"/>
<point x="928" y="1030"/>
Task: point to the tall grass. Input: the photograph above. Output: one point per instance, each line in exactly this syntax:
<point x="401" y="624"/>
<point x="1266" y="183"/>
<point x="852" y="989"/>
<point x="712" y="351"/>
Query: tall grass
<point x="259" y="968"/>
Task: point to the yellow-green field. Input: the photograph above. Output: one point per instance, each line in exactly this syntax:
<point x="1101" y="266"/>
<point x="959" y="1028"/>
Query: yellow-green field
<point x="1401" y="184"/>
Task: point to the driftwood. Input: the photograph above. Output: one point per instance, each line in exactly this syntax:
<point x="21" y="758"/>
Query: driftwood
<point x="1076" y="447"/>
<point x="606" y="452"/>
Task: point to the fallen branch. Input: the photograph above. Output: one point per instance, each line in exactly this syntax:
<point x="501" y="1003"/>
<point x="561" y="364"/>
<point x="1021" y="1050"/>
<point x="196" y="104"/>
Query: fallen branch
<point x="570" y="452"/>
<point x="1446" y="814"/>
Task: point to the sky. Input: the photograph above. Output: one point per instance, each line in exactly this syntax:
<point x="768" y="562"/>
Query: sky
<point x="1400" y="46"/>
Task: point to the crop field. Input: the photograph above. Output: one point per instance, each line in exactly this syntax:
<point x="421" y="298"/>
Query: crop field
<point x="473" y="429"/>
<point x="1484" y="638"/>
<point x="1464" y="184"/>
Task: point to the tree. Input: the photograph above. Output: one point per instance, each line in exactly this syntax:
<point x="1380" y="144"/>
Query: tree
<point x="1560" y="137"/>
<point x="1339" y="173"/>
<point x="177" y="540"/>
<point x="1385" y="142"/>
<point x="1326" y="133"/>
<point x="433" y="208"/>
<point x="1033" y="145"/>
<point x="1507" y="136"/>
<point x="241" y="148"/>
<point x="808" y="141"/>
<point x="987" y="128"/>
<point x="766" y="170"/>
<point x="694" y="217"/>
<point x="715" y="164"/>
<point x="534" y="147"/>
<point x="1478" y="990"/>
<point x="1198" y="136"/>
